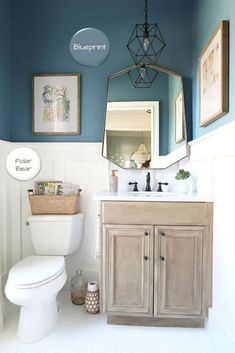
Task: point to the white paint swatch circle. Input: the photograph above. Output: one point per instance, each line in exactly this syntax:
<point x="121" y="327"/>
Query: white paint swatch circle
<point x="23" y="164"/>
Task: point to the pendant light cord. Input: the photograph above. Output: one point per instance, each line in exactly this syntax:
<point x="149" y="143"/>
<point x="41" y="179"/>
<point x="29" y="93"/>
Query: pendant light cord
<point x="146" y="11"/>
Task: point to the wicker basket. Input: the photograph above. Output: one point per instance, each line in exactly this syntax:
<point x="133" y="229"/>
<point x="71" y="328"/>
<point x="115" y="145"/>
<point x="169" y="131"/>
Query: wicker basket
<point x="54" y="204"/>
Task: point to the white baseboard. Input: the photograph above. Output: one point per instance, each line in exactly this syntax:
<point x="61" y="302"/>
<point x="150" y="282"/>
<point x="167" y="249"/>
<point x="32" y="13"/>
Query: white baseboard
<point x="220" y="339"/>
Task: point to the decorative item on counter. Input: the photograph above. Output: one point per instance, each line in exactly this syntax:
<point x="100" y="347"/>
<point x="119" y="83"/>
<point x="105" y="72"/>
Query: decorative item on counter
<point x="30" y="191"/>
<point x="113" y="181"/>
<point x="181" y="176"/>
<point x="92" y="301"/>
<point x="78" y="288"/>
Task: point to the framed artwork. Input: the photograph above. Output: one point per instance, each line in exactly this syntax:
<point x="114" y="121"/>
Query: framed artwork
<point x="179" y="118"/>
<point x="213" y="77"/>
<point x="56" y="104"/>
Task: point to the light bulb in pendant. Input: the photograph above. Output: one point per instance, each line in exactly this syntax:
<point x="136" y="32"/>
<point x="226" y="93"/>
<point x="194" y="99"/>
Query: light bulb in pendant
<point x="146" y="41"/>
<point x="146" y="44"/>
<point x="142" y="71"/>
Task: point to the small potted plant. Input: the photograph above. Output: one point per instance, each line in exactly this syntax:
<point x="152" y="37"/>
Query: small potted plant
<point x="181" y="176"/>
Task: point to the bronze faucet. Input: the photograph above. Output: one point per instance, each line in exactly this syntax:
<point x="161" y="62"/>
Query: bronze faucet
<point x="148" y="187"/>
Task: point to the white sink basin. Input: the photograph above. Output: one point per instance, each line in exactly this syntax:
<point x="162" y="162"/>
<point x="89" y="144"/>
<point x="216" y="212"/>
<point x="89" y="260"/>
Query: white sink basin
<point x="151" y="194"/>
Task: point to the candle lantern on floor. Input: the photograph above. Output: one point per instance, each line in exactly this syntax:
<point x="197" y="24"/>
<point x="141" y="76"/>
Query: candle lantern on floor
<point x="92" y="301"/>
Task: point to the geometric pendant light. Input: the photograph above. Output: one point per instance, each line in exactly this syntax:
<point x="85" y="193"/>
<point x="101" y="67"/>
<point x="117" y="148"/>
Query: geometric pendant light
<point x="146" y="42"/>
<point x="142" y="76"/>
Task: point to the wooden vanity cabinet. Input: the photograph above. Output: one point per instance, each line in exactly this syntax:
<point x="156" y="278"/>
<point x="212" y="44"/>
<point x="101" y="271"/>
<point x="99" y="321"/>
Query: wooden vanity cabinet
<point x="129" y="269"/>
<point x="156" y="265"/>
<point x="178" y="271"/>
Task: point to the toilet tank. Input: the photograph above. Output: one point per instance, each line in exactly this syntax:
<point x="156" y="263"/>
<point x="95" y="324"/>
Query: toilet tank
<point x="56" y="234"/>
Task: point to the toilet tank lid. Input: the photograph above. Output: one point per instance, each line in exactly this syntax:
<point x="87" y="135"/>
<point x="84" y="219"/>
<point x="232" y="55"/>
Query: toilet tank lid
<point x="36" y="269"/>
<point x="55" y="218"/>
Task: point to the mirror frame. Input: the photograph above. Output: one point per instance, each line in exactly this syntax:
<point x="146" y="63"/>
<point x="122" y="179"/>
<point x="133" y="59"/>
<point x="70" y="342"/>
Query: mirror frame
<point x="172" y="157"/>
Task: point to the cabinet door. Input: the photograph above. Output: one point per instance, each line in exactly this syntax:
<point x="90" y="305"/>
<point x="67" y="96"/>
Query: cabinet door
<point x="178" y="271"/>
<point x="129" y="269"/>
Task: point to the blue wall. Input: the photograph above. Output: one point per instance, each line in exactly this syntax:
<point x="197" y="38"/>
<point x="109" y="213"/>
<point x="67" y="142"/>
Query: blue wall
<point x="4" y="70"/>
<point x="40" y="36"/>
<point x="207" y="14"/>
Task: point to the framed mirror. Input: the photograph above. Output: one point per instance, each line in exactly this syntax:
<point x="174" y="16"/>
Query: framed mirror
<point x="145" y="127"/>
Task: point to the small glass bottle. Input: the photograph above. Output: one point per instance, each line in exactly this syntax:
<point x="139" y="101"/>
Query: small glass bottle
<point x="78" y="288"/>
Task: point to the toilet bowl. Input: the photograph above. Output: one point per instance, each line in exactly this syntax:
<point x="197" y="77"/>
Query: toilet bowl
<point x="34" y="282"/>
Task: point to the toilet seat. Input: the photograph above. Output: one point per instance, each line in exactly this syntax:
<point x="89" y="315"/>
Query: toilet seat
<point x="34" y="271"/>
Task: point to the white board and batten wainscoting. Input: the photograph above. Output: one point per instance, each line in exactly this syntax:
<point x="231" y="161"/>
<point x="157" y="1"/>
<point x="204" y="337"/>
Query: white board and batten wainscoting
<point x="80" y="164"/>
<point x="212" y="163"/>
<point x="5" y="222"/>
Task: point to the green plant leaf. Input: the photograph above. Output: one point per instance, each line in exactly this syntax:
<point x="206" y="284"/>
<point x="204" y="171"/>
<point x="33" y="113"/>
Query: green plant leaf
<point x="182" y="174"/>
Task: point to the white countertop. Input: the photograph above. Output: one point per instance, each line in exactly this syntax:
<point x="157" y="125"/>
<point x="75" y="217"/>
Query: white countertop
<point x="150" y="196"/>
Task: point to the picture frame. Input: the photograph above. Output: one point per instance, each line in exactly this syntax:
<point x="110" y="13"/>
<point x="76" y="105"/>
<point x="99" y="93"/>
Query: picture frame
<point x="213" y="76"/>
<point x="56" y="104"/>
<point x="179" y="118"/>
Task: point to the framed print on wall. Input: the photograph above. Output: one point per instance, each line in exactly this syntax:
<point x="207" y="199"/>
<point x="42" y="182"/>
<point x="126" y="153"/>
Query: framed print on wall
<point x="56" y="104"/>
<point x="213" y="77"/>
<point x="179" y="118"/>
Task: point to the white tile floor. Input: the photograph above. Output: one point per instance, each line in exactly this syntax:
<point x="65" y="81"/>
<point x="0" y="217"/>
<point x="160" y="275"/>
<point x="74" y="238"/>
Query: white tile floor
<point x="79" y="332"/>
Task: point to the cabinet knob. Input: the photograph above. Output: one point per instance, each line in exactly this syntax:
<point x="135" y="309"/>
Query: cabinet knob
<point x="162" y="233"/>
<point x="146" y="233"/>
<point x="146" y="258"/>
<point x="162" y="258"/>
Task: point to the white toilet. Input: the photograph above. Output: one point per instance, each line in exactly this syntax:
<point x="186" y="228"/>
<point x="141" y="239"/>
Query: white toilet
<point x="34" y="282"/>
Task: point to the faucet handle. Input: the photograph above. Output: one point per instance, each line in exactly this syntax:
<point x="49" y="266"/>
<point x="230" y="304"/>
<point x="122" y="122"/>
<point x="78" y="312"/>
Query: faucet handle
<point x="135" y="185"/>
<point x="160" y="186"/>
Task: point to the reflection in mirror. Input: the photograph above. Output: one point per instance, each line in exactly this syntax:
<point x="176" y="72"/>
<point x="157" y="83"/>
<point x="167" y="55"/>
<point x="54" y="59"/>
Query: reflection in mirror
<point x="145" y="127"/>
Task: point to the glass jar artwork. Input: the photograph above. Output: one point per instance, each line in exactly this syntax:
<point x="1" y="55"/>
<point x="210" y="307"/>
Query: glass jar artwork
<point x="78" y="288"/>
<point x="92" y="302"/>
